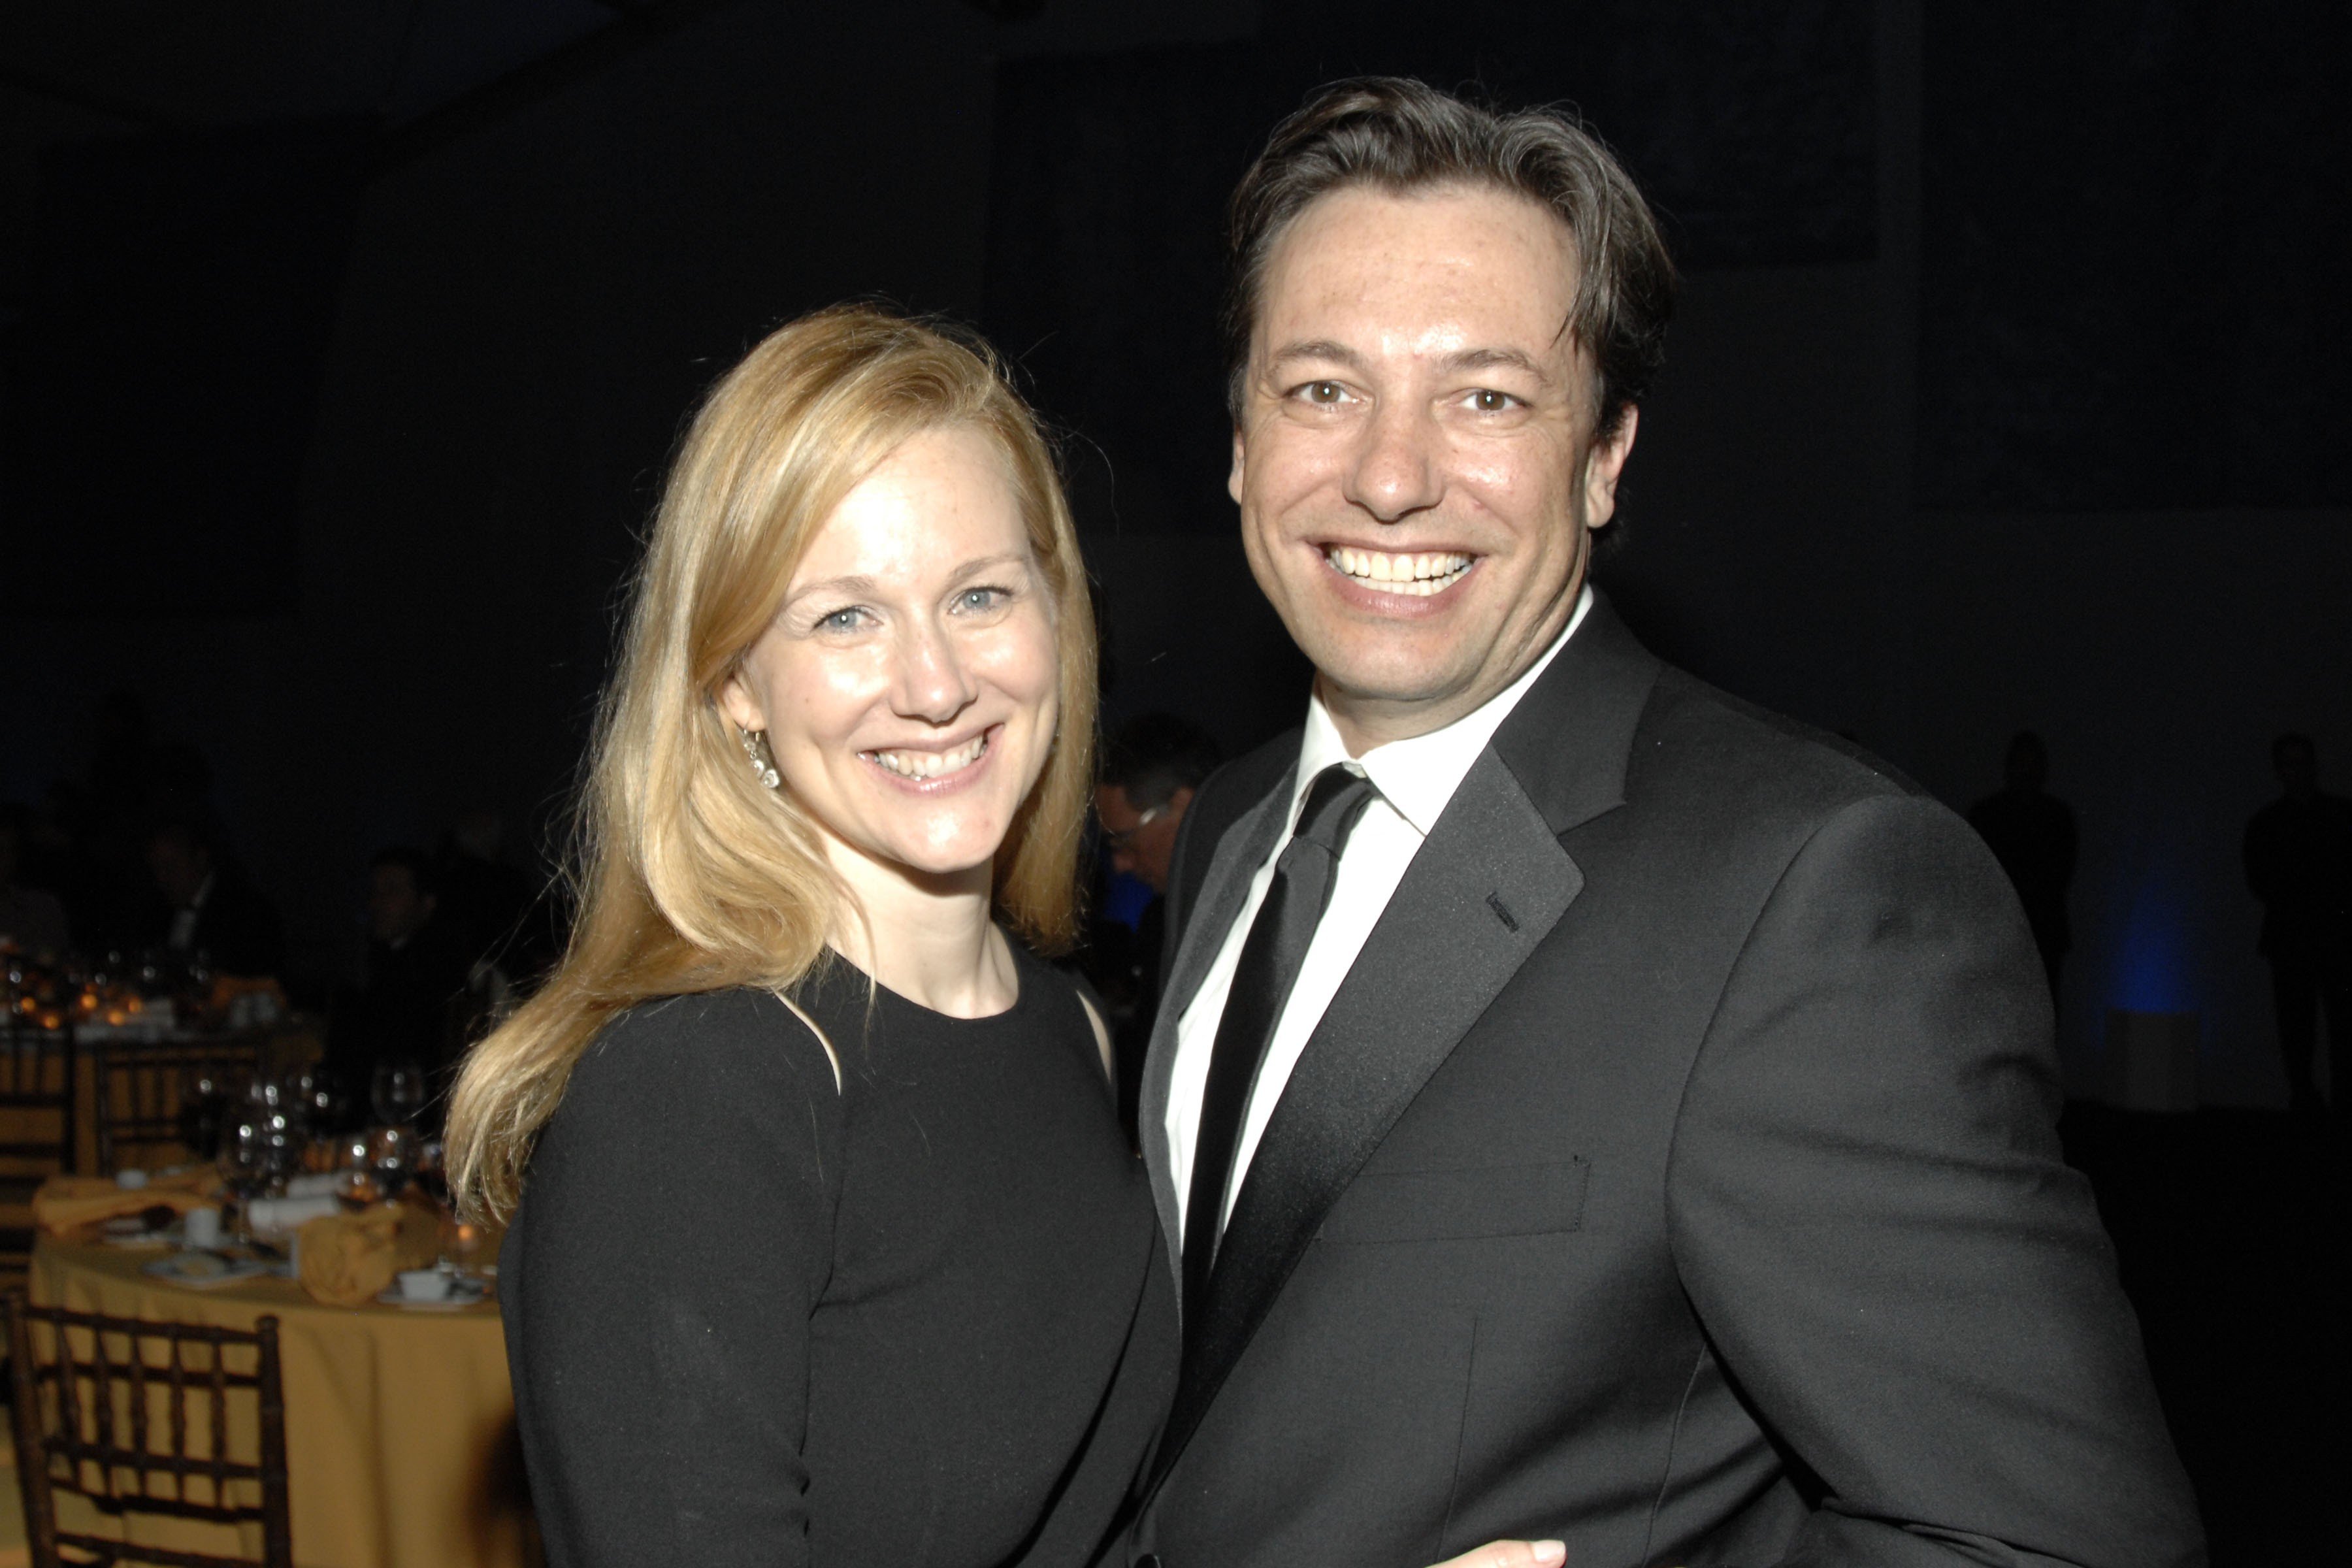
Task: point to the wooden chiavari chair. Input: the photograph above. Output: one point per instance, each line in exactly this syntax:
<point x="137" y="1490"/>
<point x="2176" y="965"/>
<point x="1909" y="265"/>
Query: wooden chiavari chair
<point x="87" y="1421"/>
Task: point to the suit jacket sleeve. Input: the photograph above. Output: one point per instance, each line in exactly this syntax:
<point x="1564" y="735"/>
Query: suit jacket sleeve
<point x="675" y="1234"/>
<point x="1869" y="1210"/>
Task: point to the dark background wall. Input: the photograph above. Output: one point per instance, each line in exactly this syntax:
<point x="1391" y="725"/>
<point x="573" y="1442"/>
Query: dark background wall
<point x="2002" y="393"/>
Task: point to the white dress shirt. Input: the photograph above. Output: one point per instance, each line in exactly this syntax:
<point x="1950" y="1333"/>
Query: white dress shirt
<point x="1417" y="778"/>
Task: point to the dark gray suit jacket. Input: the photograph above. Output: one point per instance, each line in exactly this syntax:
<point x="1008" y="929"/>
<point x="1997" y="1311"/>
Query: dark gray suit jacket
<point x="1674" y="1174"/>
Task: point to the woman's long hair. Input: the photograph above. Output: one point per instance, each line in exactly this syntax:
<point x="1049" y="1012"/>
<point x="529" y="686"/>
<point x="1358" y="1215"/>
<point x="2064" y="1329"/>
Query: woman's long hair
<point x="690" y="875"/>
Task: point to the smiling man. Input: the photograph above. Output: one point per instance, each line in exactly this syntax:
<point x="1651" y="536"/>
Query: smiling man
<point x="1583" y="1106"/>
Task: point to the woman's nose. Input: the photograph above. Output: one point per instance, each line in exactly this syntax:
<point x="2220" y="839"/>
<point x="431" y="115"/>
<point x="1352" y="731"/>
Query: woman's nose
<point x="933" y="684"/>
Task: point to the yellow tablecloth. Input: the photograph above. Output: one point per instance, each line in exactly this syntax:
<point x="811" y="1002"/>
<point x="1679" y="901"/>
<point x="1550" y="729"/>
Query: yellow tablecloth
<point x="399" y="1422"/>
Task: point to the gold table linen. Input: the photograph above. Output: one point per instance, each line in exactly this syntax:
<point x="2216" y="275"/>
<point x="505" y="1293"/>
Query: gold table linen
<point x="399" y="1421"/>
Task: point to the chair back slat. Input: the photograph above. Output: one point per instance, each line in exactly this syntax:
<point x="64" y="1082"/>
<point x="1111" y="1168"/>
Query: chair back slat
<point x="142" y="1090"/>
<point x="36" y="1074"/>
<point x="65" y="1441"/>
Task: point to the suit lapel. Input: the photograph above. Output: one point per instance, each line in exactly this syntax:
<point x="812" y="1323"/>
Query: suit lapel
<point x="1223" y="889"/>
<point x="1483" y="893"/>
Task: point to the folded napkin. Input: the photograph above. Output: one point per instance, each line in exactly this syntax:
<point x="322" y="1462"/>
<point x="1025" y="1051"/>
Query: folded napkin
<point x="65" y="1205"/>
<point x="348" y="1259"/>
<point x="284" y="1217"/>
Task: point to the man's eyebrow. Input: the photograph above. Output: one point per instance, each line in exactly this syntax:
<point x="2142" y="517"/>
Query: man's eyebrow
<point x="1315" y="347"/>
<point x="1497" y="359"/>
<point x="1456" y="362"/>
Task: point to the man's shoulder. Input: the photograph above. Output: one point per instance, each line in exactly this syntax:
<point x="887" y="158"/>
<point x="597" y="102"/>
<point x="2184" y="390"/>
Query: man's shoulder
<point x="1696" y="740"/>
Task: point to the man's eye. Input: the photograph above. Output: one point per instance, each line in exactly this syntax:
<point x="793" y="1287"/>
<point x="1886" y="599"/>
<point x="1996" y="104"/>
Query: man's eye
<point x="1490" y="402"/>
<point x="1324" y="392"/>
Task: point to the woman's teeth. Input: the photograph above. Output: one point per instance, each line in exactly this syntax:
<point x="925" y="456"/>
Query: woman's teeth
<point x="930" y="765"/>
<point x="1418" y="575"/>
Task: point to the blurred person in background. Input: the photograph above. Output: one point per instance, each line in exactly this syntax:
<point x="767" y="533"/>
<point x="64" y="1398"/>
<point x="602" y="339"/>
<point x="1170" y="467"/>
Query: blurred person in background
<point x="1151" y="767"/>
<point x="2031" y="833"/>
<point x="409" y="1005"/>
<point x="31" y="918"/>
<point x="211" y="909"/>
<point x="491" y="909"/>
<point x="2298" y="856"/>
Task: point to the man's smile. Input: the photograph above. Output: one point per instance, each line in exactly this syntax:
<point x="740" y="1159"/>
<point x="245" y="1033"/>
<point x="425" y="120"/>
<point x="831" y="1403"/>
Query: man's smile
<point x="1416" y="575"/>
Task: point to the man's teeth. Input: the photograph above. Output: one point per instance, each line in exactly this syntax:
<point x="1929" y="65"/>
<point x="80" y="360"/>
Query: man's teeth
<point x="1418" y="575"/>
<point x="930" y="765"/>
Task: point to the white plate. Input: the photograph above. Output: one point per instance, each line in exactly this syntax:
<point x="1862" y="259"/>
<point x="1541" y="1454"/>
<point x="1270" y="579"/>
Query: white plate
<point x="462" y="1293"/>
<point x="203" y="1269"/>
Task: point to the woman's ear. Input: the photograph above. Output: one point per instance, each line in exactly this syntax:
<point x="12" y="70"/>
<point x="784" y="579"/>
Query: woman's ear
<point x="735" y="701"/>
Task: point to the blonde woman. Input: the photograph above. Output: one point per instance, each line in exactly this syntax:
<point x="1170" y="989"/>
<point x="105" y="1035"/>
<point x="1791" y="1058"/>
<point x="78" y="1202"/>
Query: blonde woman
<point x="827" y="1245"/>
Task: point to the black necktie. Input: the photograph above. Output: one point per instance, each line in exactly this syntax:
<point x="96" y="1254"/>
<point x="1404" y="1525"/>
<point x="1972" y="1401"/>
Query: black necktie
<point x="1271" y="954"/>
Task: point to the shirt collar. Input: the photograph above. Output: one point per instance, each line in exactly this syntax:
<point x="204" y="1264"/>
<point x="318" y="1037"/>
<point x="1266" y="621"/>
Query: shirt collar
<point x="1418" y="776"/>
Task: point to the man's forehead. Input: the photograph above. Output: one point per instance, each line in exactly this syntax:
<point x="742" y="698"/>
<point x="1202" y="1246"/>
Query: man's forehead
<point x="1462" y="274"/>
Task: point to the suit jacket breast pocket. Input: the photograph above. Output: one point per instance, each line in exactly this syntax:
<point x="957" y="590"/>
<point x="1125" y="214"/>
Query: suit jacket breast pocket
<point x="1461" y="1204"/>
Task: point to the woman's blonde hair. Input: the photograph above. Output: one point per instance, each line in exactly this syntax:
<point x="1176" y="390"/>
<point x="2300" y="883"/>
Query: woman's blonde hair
<point x="691" y="875"/>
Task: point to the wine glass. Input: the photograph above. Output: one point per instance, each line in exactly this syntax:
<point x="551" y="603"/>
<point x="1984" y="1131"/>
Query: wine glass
<point x="244" y="1164"/>
<point x="275" y="1109"/>
<point x="430" y="1176"/>
<point x="392" y="1158"/>
<point x="398" y="1093"/>
<point x="204" y="1111"/>
<point x="320" y="1093"/>
<point x="355" y="1182"/>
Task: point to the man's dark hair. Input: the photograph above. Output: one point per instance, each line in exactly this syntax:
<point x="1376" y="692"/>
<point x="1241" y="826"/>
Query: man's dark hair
<point x="1153" y="755"/>
<point x="1398" y="136"/>
<point x="422" y="874"/>
<point x="2293" y="740"/>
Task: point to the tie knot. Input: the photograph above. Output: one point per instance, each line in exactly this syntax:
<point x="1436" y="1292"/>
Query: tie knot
<point x="1334" y="801"/>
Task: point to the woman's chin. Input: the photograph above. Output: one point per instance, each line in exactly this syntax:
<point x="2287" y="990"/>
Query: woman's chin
<point x="946" y="865"/>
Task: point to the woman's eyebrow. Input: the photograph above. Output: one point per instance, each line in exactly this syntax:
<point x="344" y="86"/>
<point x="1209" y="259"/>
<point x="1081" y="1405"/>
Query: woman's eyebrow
<point x="987" y="563"/>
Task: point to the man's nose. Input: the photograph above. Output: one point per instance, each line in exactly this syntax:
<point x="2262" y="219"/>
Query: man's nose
<point x="932" y="682"/>
<point x="1395" y="473"/>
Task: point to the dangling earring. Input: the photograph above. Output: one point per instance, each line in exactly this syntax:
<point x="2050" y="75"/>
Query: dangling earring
<point x="762" y="768"/>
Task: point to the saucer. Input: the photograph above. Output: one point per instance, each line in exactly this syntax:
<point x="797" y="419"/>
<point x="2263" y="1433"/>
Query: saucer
<point x="204" y="1268"/>
<point x="462" y="1293"/>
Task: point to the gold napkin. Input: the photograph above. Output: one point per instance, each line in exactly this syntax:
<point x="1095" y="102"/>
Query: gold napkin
<point x="65" y="1205"/>
<point x="348" y="1259"/>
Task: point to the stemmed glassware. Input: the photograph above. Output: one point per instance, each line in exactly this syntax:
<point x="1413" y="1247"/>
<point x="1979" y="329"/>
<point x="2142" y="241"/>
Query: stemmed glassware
<point x="398" y="1093"/>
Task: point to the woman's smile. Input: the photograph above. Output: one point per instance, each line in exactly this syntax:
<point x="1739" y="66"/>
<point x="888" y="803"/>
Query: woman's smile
<point x="935" y="770"/>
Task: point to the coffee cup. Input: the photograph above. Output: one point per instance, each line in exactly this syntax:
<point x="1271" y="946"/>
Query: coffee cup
<point x="424" y="1285"/>
<point x="200" y="1228"/>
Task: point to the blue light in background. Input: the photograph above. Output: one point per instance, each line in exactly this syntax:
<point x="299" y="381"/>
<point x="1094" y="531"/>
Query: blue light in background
<point x="2154" y="968"/>
<point x="1125" y="899"/>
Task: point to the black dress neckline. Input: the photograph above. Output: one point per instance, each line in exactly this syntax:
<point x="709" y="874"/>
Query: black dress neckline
<point x="837" y="967"/>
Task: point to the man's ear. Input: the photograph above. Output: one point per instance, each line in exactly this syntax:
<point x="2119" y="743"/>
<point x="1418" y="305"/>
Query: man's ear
<point x="1602" y="466"/>
<point x="1234" y="478"/>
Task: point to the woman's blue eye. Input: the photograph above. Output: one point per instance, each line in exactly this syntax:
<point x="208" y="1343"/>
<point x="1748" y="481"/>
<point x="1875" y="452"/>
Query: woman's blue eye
<point x="839" y="621"/>
<point x="979" y="598"/>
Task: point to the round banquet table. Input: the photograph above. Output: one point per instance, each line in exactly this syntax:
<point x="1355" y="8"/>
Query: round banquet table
<point x="400" y="1430"/>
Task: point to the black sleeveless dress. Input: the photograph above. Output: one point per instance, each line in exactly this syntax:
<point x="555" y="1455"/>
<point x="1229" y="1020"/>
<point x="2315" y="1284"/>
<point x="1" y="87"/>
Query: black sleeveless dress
<point x="920" y="1319"/>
